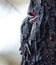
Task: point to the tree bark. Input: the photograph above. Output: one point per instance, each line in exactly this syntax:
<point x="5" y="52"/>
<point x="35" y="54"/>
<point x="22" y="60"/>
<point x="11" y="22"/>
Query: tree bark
<point x="38" y="34"/>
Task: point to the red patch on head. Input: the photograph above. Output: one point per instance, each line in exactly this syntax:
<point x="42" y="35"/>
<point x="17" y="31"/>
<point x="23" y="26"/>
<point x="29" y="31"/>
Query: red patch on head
<point x="34" y="20"/>
<point x="33" y="13"/>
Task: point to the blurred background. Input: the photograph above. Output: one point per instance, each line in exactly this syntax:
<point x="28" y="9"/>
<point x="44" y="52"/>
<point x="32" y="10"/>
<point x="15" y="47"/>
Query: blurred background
<point x="12" y="13"/>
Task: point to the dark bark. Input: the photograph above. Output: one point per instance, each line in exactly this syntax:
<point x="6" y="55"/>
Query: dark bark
<point x="38" y="34"/>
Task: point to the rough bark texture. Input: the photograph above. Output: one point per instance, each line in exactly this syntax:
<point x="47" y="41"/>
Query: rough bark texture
<point x="38" y="34"/>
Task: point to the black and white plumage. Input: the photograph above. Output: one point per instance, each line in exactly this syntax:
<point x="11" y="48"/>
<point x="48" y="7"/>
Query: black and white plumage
<point x="38" y="34"/>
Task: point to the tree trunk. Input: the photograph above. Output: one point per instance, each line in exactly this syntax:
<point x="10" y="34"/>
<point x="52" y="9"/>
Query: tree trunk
<point x="38" y="34"/>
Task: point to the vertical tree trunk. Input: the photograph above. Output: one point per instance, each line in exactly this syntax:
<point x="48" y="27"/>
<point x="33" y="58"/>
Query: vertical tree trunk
<point x="38" y="34"/>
